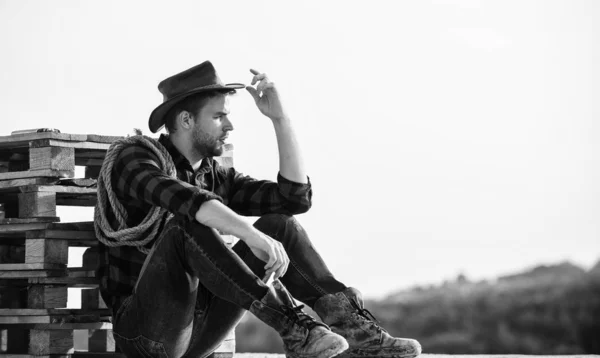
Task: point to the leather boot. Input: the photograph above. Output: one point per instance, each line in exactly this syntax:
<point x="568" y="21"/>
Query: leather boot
<point x="344" y="312"/>
<point x="302" y="335"/>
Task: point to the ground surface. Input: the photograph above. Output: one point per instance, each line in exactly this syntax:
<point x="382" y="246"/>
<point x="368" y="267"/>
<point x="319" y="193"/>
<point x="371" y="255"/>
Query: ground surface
<point x="265" y="355"/>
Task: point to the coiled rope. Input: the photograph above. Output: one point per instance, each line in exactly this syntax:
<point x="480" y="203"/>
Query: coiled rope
<point x="140" y="235"/>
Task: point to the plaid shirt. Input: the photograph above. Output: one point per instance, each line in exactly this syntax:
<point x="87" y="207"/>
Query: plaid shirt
<point x="140" y="185"/>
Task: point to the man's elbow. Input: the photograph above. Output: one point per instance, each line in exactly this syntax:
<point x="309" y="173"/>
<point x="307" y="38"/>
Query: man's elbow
<point x="299" y="207"/>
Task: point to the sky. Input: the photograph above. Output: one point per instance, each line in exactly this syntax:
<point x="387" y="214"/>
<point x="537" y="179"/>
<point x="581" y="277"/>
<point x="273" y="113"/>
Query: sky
<point x="440" y="137"/>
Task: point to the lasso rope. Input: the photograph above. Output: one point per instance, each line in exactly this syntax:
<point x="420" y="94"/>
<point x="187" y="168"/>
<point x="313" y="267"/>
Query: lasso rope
<point x="140" y="235"/>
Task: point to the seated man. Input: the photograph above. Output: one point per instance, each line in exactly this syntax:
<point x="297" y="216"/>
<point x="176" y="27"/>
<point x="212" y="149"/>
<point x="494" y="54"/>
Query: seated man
<point x="175" y="288"/>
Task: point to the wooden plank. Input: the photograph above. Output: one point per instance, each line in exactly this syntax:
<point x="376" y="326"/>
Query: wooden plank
<point x="90" y="153"/>
<point x="74" y="226"/>
<point x="37" y="173"/>
<point x="52" y="319"/>
<point x="74" y="355"/>
<point x="104" y="324"/>
<point x="34" y="130"/>
<point x="6" y="312"/>
<point x="22" y="140"/>
<point x="14" y="184"/>
<point x="62" y="189"/>
<point x="89" y="201"/>
<point x="15" y="228"/>
<point x="88" y="283"/>
<point x="102" y="138"/>
<point x="70" y="144"/>
<point x="32" y="266"/>
<point x="18" y="271"/>
<point x="20" y="274"/>
<point x="51" y="342"/>
<point x="61" y="234"/>
<point x="21" y="221"/>
<point x="77" y="182"/>
<point x="46" y="251"/>
<point x="45" y="296"/>
<point x="73" y="277"/>
<point x="36" y="204"/>
<point x="89" y="162"/>
<point x="56" y="158"/>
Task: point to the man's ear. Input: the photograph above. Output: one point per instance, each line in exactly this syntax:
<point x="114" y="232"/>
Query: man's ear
<point x="185" y="120"/>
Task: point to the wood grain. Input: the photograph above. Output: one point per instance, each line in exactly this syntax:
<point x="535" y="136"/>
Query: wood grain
<point x="36" y="204"/>
<point x="46" y="251"/>
<point x="50" y="173"/>
<point x="56" y="158"/>
<point x="45" y="296"/>
<point x="82" y="145"/>
<point x="51" y="342"/>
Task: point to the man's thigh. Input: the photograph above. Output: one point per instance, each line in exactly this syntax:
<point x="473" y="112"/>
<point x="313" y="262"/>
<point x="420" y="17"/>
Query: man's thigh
<point x="191" y="284"/>
<point x="158" y="317"/>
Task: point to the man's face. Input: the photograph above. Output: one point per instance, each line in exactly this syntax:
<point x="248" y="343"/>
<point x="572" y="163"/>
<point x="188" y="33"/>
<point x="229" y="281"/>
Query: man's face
<point x="212" y="127"/>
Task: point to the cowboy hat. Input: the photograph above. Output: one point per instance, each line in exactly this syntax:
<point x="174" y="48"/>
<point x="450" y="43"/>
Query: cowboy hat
<point x="200" y="78"/>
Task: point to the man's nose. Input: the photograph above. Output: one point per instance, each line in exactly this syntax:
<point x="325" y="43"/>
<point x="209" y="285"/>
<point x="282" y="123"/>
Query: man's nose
<point x="228" y="125"/>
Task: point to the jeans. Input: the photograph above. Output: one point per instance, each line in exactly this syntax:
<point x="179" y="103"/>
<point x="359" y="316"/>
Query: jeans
<point x="194" y="289"/>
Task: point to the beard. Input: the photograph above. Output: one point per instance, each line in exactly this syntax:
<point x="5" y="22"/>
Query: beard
<point x="205" y="144"/>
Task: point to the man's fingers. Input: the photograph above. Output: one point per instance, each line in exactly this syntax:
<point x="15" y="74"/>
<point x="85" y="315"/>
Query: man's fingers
<point x="254" y="72"/>
<point x="254" y="93"/>
<point x="264" y="85"/>
<point x="284" y="260"/>
<point x="259" y="77"/>
<point x="272" y="260"/>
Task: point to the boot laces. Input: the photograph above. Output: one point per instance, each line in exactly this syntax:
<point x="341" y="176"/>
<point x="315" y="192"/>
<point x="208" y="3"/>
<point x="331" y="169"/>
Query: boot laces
<point x="298" y="315"/>
<point x="366" y="314"/>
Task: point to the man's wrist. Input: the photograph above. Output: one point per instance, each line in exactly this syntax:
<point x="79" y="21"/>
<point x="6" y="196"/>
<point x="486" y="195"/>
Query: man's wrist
<point x="280" y="119"/>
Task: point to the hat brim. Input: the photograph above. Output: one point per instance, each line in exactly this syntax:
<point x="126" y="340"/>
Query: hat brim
<point x="157" y="117"/>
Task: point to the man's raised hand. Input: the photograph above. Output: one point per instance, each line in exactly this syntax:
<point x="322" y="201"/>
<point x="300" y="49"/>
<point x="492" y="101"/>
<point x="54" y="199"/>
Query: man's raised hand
<point x="266" y="96"/>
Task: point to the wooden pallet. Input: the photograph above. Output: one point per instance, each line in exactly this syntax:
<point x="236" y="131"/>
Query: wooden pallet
<point x="36" y="176"/>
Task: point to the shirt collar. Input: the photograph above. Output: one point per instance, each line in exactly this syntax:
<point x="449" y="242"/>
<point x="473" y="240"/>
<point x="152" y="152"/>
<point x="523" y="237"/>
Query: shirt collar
<point x="179" y="160"/>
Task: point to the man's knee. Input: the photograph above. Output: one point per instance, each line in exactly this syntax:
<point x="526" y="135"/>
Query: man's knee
<point x="269" y="220"/>
<point x="276" y="224"/>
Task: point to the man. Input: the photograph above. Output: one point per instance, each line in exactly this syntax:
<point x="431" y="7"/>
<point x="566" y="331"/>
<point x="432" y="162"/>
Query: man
<point x="174" y="286"/>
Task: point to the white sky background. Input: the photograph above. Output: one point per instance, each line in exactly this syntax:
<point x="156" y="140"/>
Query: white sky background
<point x="440" y="136"/>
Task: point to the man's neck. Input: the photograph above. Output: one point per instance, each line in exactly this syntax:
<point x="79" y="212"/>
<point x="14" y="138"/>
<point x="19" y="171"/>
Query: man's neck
<point x="184" y="147"/>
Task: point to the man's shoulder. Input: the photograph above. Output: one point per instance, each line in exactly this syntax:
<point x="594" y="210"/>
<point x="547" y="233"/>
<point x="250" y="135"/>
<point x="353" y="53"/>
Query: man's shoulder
<point x="139" y="148"/>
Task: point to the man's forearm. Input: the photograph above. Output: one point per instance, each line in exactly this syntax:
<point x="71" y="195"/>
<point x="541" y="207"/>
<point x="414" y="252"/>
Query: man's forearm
<point x="215" y="214"/>
<point x="291" y="164"/>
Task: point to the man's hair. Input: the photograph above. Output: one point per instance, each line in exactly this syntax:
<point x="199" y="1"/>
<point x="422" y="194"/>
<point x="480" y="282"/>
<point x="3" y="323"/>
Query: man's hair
<point x="192" y="104"/>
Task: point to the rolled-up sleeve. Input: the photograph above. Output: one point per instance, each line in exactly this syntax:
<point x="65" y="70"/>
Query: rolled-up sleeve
<point x="252" y="197"/>
<point x="137" y="176"/>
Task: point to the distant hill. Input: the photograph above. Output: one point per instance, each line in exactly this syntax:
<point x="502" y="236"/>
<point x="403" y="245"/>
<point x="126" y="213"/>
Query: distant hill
<point x="562" y="271"/>
<point x="595" y="271"/>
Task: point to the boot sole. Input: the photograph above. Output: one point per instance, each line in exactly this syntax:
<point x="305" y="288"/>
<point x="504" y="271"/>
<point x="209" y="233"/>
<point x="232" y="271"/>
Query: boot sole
<point x="374" y="355"/>
<point x="329" y="353"/>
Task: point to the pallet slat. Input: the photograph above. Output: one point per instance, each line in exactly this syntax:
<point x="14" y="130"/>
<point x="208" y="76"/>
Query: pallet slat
<point x="84" y="145"/>
<point x="46" y="224"/>
<point x="50" y="173"/>
<point x="22" y="140"/>
<point x="14" y="184"/>
<point x="73" y="355"/>
<point x="5" y="312"/>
